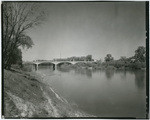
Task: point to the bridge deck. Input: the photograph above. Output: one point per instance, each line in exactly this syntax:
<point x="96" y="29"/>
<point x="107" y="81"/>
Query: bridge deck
<point x="58" y="62"/>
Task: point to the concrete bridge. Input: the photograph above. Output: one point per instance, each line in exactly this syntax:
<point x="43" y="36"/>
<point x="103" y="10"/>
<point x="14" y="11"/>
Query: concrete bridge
<point x="55" y="63"/>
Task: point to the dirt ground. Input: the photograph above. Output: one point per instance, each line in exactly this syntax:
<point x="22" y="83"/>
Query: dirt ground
<point x="26" y="96"/>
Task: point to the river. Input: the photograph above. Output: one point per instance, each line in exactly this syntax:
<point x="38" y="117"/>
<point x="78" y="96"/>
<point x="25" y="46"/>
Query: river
<point x="102" y="93"/>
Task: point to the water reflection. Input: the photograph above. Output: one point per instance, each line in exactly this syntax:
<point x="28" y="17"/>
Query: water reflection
<point x="139" y="78"/>
<point x="139" y="74"/>
<point x="89" y="73"/>
<point x="98" y="95"/>
<point x="122" y="73"/>
<point x="42" y="67"/>
<point x="109" y="74"/>
<point x="86" y="72"/>
<point x="63" y="69"/>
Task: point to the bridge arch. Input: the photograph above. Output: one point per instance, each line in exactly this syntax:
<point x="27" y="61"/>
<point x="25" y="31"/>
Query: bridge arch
<point x="46" y="63"/>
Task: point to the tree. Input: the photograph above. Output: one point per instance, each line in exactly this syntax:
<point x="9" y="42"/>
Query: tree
<point x="83" y="58"/>
<point x="140" y="54"/>
<point x="123" y="58"/>
<point x="108" y="58"/>
<point x="16" y="57"/>
<point x="18" y="17"/>
<point x="89" y="57"/>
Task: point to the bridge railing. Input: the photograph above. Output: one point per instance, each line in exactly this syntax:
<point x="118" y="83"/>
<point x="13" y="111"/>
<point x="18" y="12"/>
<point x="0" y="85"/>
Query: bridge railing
<point x="61" y="61"/>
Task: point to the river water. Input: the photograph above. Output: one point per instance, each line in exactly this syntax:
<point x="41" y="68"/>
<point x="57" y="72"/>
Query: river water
<point x="102" y="93"/>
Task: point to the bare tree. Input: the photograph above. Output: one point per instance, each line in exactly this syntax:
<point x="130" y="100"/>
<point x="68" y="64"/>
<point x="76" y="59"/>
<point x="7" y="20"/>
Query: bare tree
<point x="18" y="17"/>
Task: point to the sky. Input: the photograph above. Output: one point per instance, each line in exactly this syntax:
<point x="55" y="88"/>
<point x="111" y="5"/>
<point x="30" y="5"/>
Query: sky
<point x="82" y="28"/>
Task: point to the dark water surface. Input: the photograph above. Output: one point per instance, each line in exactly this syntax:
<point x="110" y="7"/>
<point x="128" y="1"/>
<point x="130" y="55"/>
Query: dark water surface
<point x="103" y="93"/>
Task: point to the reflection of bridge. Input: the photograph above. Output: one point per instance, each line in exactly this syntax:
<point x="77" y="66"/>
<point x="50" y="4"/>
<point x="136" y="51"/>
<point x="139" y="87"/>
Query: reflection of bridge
<point x="55" y="63"/>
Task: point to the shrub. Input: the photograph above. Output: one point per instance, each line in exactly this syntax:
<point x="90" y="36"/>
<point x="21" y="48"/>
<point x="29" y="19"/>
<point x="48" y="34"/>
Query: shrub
<point x="27" y="68"/>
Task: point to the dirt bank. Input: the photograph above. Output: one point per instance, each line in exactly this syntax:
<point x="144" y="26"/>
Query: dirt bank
<point x="25" y="96"/>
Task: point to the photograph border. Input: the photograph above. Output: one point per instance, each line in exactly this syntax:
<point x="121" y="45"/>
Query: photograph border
<point x="147" y="65"/>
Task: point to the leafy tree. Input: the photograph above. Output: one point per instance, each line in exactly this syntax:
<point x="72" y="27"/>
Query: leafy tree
<point x="108" y="58"/>
<point x="123" y="58"/>
<point x="140" y="54"/>
<point x="89" y="57"/>
<point x="83" y="58"/>
<point x="18" y="17"/>
<point x="16" y="57"/>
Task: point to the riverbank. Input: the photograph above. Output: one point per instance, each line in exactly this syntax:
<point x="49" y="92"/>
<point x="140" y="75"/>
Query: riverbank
<point x="26" y="96"/>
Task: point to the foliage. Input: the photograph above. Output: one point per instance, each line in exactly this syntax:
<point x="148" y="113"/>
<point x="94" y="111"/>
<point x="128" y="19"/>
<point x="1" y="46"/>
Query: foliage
<point x="123" y="58"/>
<point x="16" y="56"/>
<point x="140" y="54"/>
<point x="135" y="62"/>
<point x="18" y="17"/>
<point x="89" y="57"/>
<point x="27" y="68"/>
<point x="74" y="58"/>
<point x="108" y="58"/>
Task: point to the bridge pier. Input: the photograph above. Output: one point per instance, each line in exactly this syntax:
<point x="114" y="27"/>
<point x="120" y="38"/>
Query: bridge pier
<point x="54" y="66"/>
<point x="36" y="66"/>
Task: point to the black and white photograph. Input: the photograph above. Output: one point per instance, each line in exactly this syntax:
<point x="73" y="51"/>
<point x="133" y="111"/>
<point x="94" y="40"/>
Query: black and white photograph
<point x="74" y="59"/>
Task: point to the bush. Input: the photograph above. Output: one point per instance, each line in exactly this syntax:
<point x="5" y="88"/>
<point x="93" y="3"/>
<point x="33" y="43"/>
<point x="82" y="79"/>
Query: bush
<point x="124" y="65"/>
<point x="27" y="68"/>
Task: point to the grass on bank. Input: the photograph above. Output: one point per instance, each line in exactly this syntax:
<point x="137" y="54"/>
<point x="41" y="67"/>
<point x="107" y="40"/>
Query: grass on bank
<point x="26" y="96"/>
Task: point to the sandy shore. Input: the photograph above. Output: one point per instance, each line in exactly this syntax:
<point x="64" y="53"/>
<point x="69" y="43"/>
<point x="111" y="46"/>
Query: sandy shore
<point x="26" y="96"/>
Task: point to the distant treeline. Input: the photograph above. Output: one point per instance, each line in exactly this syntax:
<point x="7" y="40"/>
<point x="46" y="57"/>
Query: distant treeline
<point x="138" y="61"/>
<point x="74" y="58"/>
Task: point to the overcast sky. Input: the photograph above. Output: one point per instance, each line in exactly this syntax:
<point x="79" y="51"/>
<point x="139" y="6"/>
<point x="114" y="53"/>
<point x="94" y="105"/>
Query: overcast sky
<point x="82" y="28"/>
